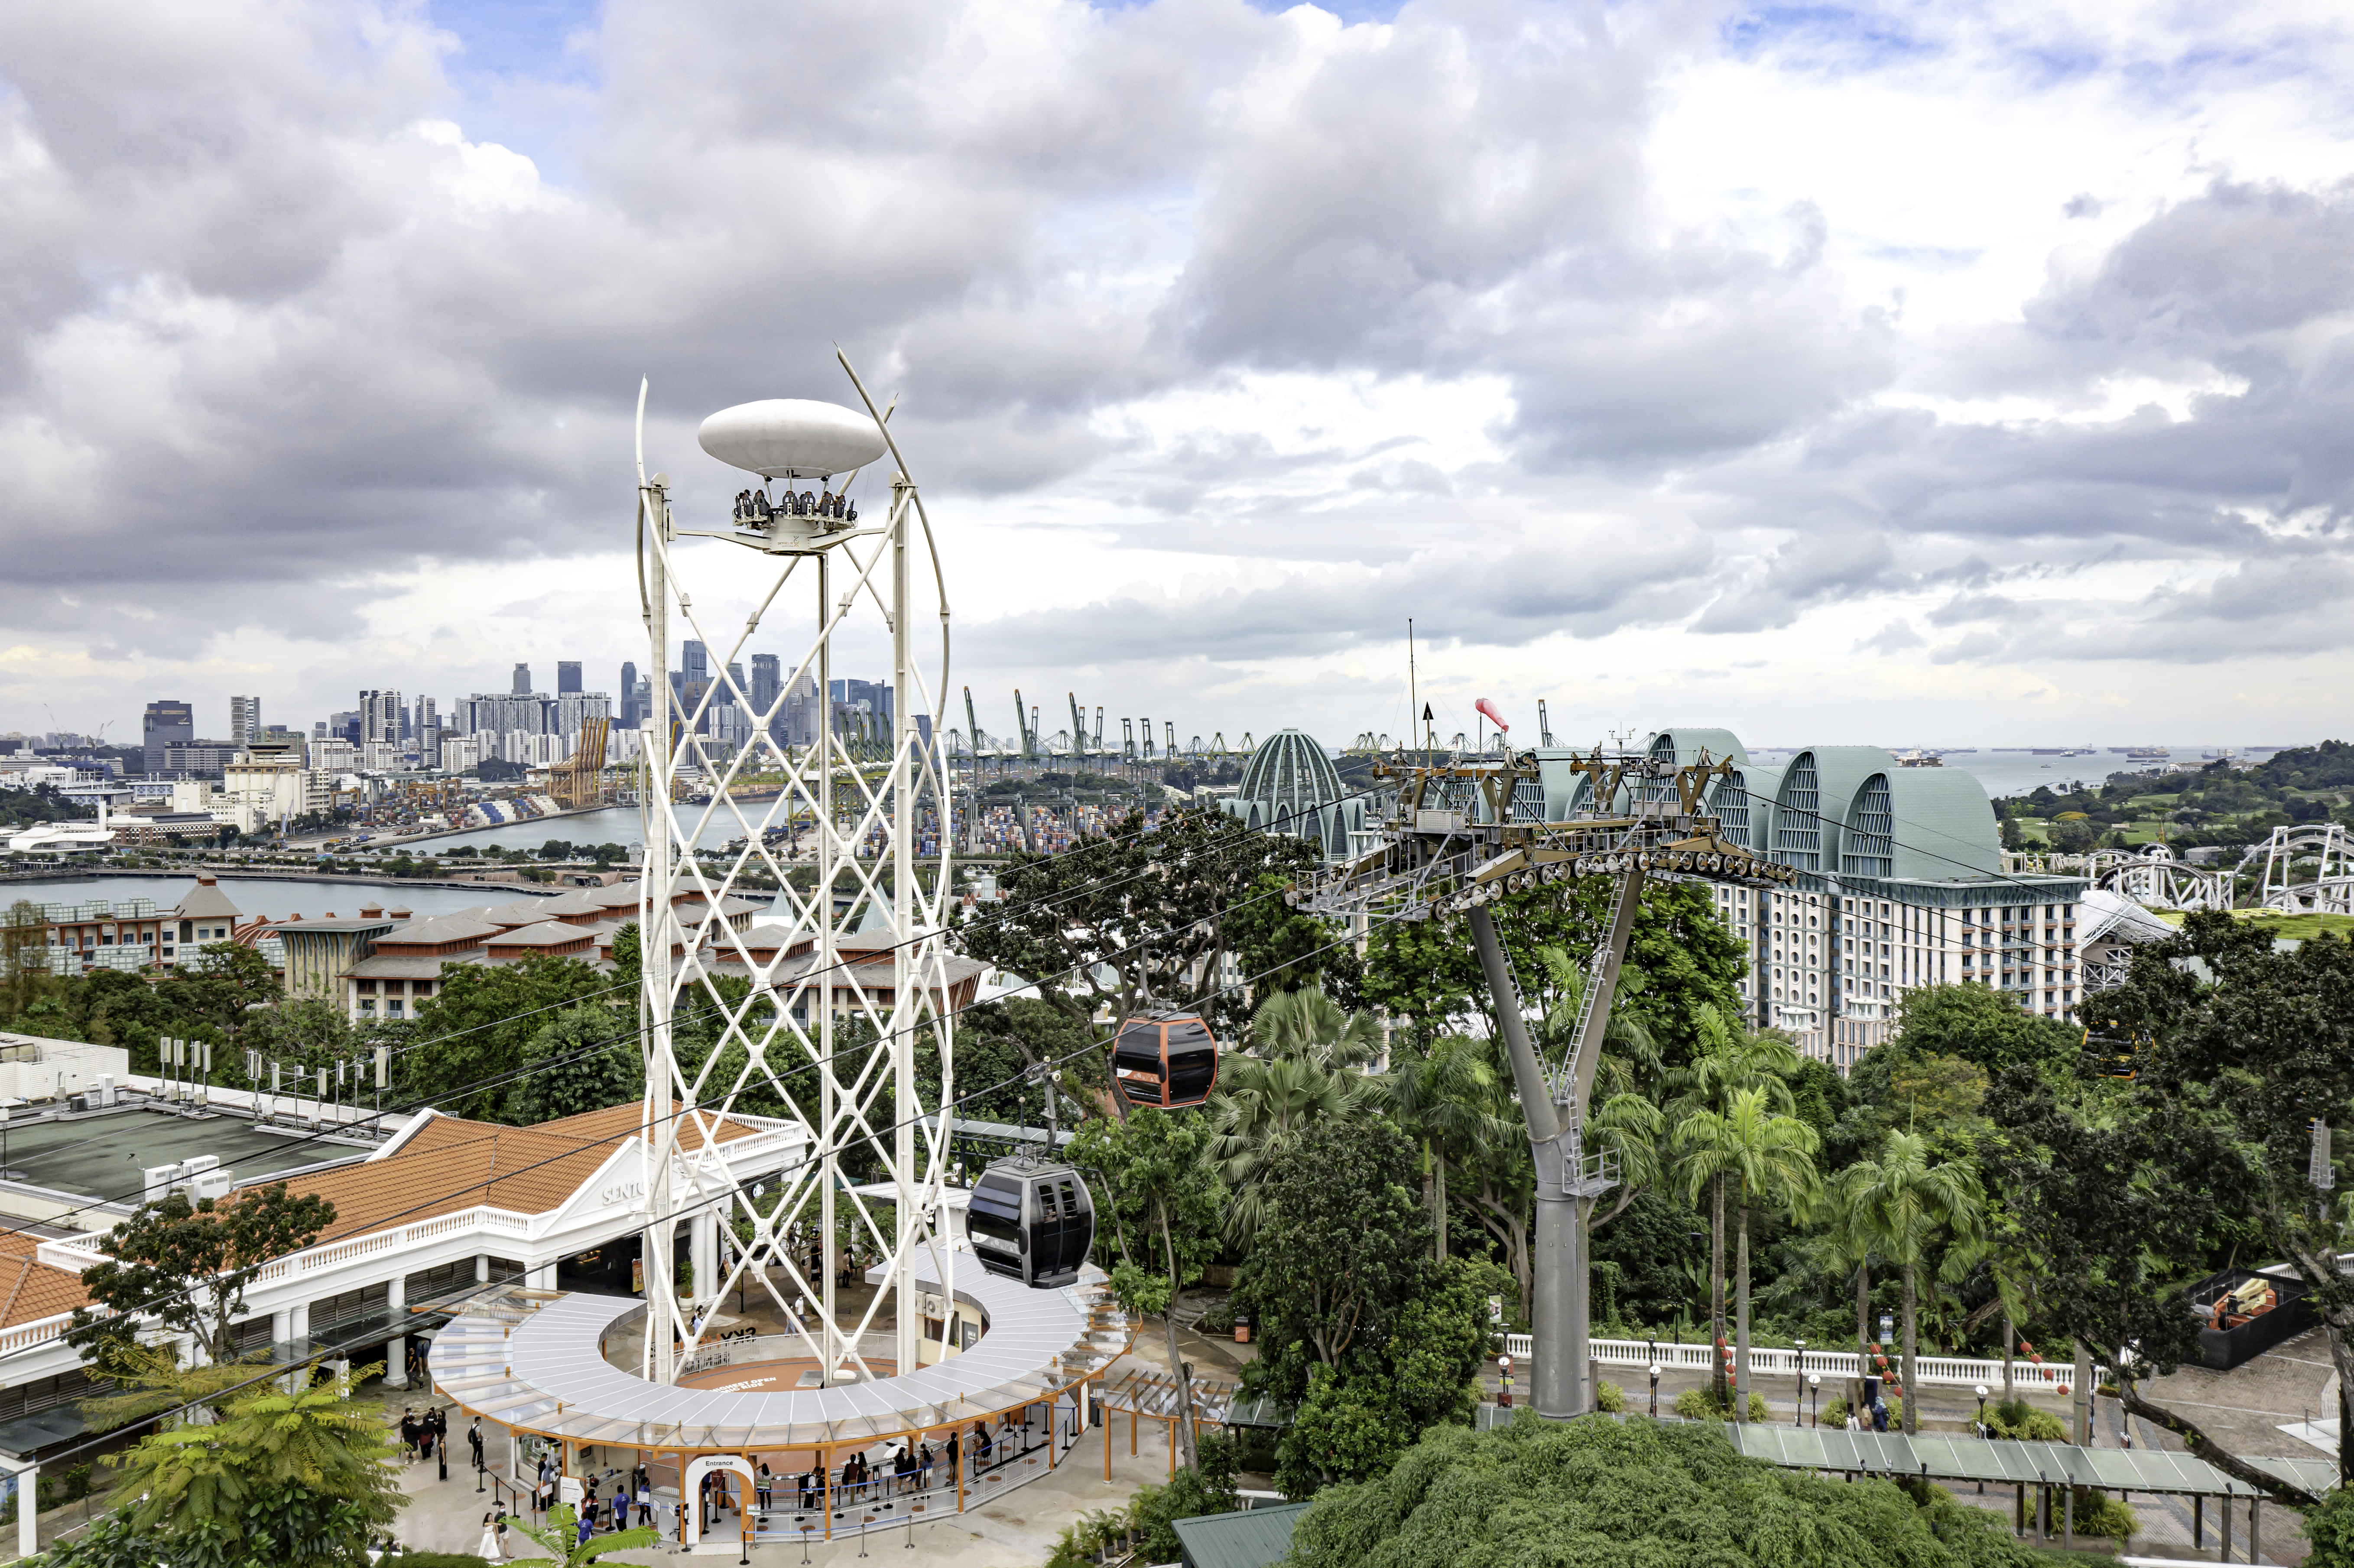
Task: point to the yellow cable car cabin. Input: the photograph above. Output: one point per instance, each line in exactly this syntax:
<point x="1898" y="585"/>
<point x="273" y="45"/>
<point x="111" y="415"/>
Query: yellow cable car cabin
<point x="1165" y="1059"/>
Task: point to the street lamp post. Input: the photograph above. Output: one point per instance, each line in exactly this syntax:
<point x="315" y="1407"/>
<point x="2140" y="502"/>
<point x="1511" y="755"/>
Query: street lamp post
<point x="1981" y="1391"/>
<point x="1796" y="1416"/>
<point x="1814" y="1398"/>
<point x="1655" y="1391"/>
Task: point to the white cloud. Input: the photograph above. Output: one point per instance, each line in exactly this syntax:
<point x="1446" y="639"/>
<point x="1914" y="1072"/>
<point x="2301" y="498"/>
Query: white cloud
<point x="1853" y="368"/>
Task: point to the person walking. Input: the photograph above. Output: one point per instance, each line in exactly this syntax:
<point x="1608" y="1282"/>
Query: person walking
<point x="954" y="1452"/>
<point x="499" y="1521"/>
<point x="764" y="1486"/>
<point x="488" y="1547"/>
<point x="645" y="1498"/>
<point x="442" y="1442"/>
<point x="409" y="1430"/>
<point x="924" y="1469"/>
<point x="474" y="1442"/>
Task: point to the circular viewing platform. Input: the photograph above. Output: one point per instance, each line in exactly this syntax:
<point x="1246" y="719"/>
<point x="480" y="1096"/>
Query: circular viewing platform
<point x="534" y="1361"/>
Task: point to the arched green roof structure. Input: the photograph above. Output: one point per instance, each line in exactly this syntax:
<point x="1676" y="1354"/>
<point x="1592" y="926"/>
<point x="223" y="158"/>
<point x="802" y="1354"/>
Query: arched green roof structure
<point x="1289" y="785"/>
<point x="1289" y="773"/>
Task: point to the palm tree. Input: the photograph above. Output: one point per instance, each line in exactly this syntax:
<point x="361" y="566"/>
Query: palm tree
<point x="561" y="1536"/>
<point x="1767" y="1156"/>
<point x="1908" y="1203"/>
<point x="1730" y="1059"/>
<point x="1306" y="1061"/>
<point x="1447" y="1099"/>
<point x="1309" y="1025"/>
<point x="1259" y="1111"/>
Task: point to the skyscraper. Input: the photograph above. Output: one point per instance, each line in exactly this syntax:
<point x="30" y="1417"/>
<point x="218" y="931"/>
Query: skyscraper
<point x="694" y="663"/>
<point x="567" y="677"/>
<point x="379" y="718"/>
<point x="244" y="720"/>
<point x="630" y="716"/>
<point x="165" y="724"/>
<point x="768" y="679"/>
<point x="522" y="680"/>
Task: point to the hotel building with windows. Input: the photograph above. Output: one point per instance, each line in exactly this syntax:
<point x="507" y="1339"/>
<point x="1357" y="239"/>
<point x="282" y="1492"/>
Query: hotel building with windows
<point x="1901" y="885"/>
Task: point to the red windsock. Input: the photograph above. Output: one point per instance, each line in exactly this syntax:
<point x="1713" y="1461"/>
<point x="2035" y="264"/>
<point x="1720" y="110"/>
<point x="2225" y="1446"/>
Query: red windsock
<point x="1485" y="706"/>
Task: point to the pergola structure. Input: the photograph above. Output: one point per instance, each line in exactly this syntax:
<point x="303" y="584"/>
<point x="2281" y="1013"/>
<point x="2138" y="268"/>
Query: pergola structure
<point x="2021" y="1464"/>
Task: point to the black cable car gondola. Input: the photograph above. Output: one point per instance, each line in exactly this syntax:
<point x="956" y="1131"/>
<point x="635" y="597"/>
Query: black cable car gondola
<point x="1032" y="1221"/>
<point x="1168" y="1060"/>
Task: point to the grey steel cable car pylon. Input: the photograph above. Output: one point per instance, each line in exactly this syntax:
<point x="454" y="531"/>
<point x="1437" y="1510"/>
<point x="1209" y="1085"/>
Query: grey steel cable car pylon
<point x="1451" y="845"/>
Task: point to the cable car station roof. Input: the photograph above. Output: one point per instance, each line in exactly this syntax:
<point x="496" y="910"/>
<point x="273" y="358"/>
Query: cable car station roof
<point x="2011" y="1462"/>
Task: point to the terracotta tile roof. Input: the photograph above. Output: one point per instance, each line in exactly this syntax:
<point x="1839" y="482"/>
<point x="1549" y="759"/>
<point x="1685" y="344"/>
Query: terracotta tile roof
<point x="30" y="1291"/>
<point x="452" y="1163"/>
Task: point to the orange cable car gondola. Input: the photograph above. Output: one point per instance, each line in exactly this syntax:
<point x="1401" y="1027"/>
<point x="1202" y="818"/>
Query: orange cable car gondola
<point x="1165" y="1059"/>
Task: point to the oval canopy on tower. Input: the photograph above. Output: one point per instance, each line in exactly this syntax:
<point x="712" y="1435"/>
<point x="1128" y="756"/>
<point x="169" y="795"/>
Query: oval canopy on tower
<point x="790" y="438"/>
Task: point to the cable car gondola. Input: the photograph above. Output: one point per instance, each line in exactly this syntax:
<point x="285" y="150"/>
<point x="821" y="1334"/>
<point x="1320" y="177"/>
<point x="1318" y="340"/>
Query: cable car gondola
<point x="1166" y="1060"/>
<point x="1033" y="1221"/>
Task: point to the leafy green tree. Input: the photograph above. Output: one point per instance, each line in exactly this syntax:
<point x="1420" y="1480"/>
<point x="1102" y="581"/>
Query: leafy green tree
<point x="1161" y="1180"/>
<point x="1983" y="1026"/>
<point x="1103" y="924"/>
<point x="1767" y="1158"/>
<point x="583" y="1059"/>
<point x="479" y="1024"/>
<point x="307" y="1030"/>
<point x="189" y="1266"/>
<point x="1281" y="950"/>
<point x="1603" y="1494"/>
<point x="1909" y="1203"/>
<point x="2113" y="1183"/>
<point x="220" y="986"/>
<point x="1344" y="1246"/>
<point x="295" y="1478"/>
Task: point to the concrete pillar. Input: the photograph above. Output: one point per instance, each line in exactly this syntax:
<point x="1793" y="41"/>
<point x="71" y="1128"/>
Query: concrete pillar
<point x="396" y="1349"/>
<point x="28" y="1502"/>
<point x="482" y="1268"/>
<point x="282" y="1326"/>
<point x="542" y="1277"/>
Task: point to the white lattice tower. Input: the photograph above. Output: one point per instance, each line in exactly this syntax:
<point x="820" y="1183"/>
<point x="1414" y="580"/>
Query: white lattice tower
<point x="832" y="1043"/>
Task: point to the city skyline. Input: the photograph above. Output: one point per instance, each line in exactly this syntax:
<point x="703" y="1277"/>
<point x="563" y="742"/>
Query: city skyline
<point x="1663" y="394"/>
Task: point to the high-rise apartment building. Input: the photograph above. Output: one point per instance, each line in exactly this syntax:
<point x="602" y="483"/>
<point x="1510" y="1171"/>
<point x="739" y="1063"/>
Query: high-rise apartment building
<point x="164" y="724"/>
<point x="630" y="716"/>
<point x="379" y="718"/>
<point x="567" y="677"/>
<point x="244" y="720"/>
<point x="522" y="679"/>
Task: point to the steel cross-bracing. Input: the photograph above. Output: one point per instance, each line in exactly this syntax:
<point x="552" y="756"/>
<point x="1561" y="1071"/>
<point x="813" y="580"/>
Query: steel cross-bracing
<point x="846" y="978"/>
<point x="1452" y="845"/>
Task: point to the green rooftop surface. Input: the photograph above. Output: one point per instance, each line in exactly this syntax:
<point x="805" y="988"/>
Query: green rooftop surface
<point x="1254" y="1538"/>
<point x="107" y="1156"/>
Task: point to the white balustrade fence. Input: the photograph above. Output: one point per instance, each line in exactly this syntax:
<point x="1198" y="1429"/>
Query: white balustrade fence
<point x="1765" y="1363"/>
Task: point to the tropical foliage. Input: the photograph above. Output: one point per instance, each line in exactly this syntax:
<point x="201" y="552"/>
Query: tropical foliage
<point x="1605" y="1494"/>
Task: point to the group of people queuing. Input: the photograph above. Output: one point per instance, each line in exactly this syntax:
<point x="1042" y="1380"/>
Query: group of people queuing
<point x="427" y="1437"/>
<point x="910" y="1469"/>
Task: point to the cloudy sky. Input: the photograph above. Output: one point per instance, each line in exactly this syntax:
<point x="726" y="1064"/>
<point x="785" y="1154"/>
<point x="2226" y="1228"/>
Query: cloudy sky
<point x="1955" y="372"/>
